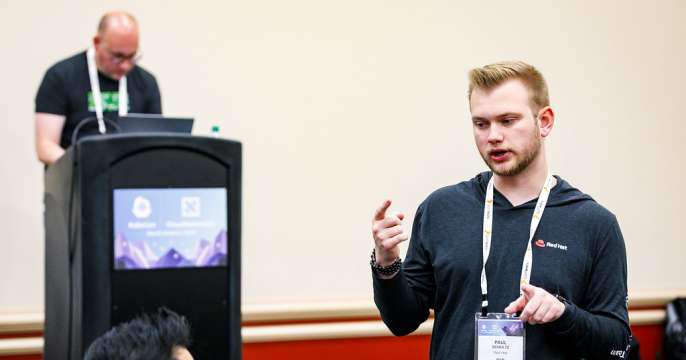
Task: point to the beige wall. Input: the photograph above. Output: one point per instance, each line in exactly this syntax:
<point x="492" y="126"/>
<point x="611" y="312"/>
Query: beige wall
<point x="340" y="104"/>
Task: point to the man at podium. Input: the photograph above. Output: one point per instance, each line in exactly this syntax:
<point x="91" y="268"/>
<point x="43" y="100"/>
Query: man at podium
<point x="103" y="81"/>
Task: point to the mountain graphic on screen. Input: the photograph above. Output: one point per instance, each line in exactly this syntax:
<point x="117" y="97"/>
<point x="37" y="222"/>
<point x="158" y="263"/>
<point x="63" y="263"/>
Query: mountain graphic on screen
<point x="218" y="257"/>
<point x="172" y="259"/>
<point x="202" y="253"/>
<point x="128" y="255"/>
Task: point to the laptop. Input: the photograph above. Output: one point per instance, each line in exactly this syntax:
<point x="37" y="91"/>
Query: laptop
<point x="136" y="123"/>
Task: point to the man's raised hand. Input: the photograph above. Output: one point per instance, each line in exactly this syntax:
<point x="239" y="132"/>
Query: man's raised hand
<point x="388" y="232"/>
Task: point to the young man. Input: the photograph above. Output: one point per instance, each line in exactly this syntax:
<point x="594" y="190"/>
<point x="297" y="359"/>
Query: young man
<point x="573" y="289"/>
<point x="67" y="94"/>
<point x="161" y="336"/>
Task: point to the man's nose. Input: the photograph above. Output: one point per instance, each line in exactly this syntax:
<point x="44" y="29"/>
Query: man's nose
<point x="495" y="135"/>
<point x="126" y="66"/>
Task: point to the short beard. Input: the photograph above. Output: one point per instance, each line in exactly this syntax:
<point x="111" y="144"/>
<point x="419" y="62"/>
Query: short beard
<point x="531" y="152"/>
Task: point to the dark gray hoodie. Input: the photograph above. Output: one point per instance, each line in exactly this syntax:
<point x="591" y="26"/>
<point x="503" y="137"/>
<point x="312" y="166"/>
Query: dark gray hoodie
<point x="578" y="253"/>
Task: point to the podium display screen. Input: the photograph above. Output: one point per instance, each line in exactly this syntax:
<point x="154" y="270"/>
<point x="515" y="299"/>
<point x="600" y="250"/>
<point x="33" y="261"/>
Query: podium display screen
<point x="169" y="228"/>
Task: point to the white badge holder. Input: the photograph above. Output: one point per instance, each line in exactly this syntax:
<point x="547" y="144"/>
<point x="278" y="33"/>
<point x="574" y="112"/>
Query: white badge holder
<point x="499" y="336"/>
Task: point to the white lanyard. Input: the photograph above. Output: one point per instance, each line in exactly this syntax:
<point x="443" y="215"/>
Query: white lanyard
<point x="97" y="95"/>
<point x="488" y="233"/>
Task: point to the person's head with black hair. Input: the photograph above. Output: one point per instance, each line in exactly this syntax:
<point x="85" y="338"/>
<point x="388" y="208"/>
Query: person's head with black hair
<point x="164" y="335"/>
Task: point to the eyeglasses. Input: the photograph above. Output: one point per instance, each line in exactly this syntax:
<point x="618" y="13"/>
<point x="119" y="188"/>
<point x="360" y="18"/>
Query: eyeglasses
<point x="119" y="58"/>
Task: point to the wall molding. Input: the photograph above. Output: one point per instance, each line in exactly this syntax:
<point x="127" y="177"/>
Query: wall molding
<point x="646" y="317"/>
<point x="307" y="332"/>
<point x="21" y="322"/>
<point x="256" y="313"/>
<point x="23" y="346"/>
<point x="645" y="308"/>
<point x="654" y="298"/>
<point x="337" y="330"/>
<point x="308" y="311"/>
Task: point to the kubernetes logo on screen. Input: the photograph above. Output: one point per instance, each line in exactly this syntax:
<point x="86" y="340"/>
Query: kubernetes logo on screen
<point x="190" y="206"/>
<point x="141" y="207"/>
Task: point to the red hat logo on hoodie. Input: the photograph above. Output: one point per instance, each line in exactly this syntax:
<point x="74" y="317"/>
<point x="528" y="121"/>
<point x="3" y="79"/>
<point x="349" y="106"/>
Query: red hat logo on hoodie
<point x="540" y="243"/>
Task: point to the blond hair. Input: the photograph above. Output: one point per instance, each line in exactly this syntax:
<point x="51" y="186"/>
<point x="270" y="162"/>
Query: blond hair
<point x="490" y="76"/>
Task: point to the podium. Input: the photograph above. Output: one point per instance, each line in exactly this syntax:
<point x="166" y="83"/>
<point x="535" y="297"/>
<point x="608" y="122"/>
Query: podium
<point x="138" y="221"/>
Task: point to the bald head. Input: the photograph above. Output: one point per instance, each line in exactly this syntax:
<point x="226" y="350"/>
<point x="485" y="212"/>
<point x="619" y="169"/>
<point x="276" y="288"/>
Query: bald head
<point x="117" y="19"/>
<point x="116" y="44"/>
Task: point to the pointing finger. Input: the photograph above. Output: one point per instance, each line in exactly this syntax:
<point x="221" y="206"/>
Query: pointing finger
<point x="380" y="213"/>
<point x="516" y="305"/>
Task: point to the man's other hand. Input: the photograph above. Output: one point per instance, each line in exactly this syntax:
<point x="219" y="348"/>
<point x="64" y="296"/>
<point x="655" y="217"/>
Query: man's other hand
<point x="537" y="306"/>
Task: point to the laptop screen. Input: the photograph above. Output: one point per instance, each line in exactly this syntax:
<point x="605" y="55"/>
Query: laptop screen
<point x="132" y="123"/>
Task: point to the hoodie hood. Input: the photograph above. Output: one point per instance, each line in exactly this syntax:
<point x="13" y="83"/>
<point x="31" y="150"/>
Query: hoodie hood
<point x="562" y="194"/>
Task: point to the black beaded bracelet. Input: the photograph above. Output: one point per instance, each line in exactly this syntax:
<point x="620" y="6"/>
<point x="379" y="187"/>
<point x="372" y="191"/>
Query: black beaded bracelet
<point x="385" y="270"/>
<point x="561" y="299"/>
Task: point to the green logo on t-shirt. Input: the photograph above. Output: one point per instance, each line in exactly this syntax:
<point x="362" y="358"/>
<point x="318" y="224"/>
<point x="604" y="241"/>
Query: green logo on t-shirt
<point x="110" y="101"/>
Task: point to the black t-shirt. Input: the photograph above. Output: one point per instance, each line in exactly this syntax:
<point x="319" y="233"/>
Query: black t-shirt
<point x="66" y="90"/>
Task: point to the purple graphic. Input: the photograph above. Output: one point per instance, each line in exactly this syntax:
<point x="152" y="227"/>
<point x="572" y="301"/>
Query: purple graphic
<point x="132" y="256"/>
<point x="501" y="327"/>
<point x="170" y="228"/>
<point x="514" y="329"/>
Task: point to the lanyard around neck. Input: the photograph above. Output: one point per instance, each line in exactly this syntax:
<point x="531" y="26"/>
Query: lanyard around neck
<point x="97" y="95"/>
<point x="488" y="233"/>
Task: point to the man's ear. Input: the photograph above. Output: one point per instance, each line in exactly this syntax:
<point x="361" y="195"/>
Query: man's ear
<point x="546" y="120"/>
